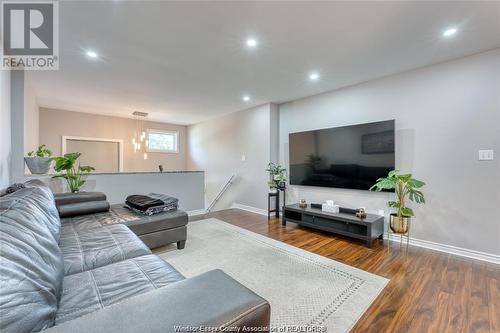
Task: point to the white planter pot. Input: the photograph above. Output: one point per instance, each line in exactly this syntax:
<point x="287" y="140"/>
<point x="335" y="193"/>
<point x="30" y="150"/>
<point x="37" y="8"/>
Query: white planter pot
<point x="38" y="165"/>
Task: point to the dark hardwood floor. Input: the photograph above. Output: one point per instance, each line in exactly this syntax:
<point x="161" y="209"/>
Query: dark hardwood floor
<point x="429" y="291"/>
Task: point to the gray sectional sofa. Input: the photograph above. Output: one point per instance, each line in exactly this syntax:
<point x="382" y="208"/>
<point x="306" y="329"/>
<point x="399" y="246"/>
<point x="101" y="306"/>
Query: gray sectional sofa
<point x="79" y="276"/>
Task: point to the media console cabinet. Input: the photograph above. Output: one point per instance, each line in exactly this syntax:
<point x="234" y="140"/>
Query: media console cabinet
<point x="345" y="223"/>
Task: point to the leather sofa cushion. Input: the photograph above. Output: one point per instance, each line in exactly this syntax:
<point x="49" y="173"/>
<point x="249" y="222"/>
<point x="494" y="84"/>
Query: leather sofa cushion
<point x="96" y="220"/>
<point x="43" y="199"/>
<point x="31" y="263"/>
<point x="141" y="224"/>
<point x="138" y="223"/>
<point x="85" y="247"/>
<point x="93" y="290"/>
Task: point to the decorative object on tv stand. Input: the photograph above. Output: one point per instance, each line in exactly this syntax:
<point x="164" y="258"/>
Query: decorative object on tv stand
<point x="302" y="203"/>
<point x="160" y="167"/>
<point x="39" y="161"/>
<point x="139" y="139"/>
<point x="330" y="207"/>
<point x="277" y="177"/>
<point x="405" y="187"/>
<point x="361" y="213"/>
<point x="75" y="176"/>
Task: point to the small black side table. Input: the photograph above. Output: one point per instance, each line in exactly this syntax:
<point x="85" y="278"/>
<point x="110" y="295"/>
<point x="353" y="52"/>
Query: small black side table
<point x="276" y="208"/>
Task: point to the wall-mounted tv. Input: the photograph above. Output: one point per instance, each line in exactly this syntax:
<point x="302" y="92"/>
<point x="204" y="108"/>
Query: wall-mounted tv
<point x="352" y="157"/>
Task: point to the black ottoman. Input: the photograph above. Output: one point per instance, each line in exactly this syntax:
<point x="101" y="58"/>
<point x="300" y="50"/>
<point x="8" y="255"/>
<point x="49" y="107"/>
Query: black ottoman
<point x="156" y="230"/>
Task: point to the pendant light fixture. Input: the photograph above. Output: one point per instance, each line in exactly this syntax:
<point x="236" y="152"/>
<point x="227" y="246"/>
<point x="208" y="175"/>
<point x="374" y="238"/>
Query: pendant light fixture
<point x="139" y="140"/>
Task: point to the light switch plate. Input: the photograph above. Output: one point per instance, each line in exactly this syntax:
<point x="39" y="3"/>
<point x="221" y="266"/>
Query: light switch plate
<point x="486" y="155"/>
<point x="243" y="157"/>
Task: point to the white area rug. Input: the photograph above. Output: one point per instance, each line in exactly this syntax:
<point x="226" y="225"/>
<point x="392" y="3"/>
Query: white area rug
<point x="303" y="288"/>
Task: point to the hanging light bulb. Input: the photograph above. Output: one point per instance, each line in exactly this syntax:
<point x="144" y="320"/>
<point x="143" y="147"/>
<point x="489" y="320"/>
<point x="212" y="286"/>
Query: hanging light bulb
<point x="139" y="132"/>
<point x="145" y="156"/>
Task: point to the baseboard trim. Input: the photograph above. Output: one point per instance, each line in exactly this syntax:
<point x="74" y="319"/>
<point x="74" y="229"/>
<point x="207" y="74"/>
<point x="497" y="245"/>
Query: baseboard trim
<point x="450" y="249"/>
<point x="455" y="250"/>
<point x="196" y="212"/>
<point x="249" y="209"/>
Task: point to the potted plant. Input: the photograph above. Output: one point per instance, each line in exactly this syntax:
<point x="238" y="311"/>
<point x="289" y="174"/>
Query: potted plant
<point x="73" y="175"/>
<point x="38" y="161"/>
<point x="277" y="177"/>
<point x="405" y="187"/>
<point x="272" y="186"/>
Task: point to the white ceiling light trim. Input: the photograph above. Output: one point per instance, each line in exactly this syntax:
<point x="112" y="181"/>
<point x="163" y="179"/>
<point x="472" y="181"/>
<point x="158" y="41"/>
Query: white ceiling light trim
<point x="246" y="98"/>
<point x="251" y="42"/>
<point x="313" y="76"/>
<point x="92" y="54"/>
<point x="450" y="32"/>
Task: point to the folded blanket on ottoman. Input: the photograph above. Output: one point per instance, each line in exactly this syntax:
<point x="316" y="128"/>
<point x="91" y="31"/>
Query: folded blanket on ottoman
<point x="153" y="204"/>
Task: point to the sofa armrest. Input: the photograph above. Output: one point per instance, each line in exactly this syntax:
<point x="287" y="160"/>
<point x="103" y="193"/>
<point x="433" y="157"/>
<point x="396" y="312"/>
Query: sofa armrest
<point x="212" y="299"/>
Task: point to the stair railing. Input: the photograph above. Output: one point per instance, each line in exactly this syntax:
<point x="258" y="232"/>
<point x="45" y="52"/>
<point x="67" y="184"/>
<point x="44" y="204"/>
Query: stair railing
<point x="222" y="191"/>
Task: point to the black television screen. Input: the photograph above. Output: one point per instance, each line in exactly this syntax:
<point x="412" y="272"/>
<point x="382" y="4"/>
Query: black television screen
<point x="351" y="157"/>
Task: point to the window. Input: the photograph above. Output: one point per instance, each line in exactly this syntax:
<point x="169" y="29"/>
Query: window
<point x="163" y="141"/>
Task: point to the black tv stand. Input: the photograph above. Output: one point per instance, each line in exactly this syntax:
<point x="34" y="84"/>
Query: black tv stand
<point x="345" y="223"/>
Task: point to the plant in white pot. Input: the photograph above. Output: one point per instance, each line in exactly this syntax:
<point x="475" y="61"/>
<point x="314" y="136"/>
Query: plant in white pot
<point x="405" y="187"/>
<point x="39" y="161"/>
<point x="277" y="177"/>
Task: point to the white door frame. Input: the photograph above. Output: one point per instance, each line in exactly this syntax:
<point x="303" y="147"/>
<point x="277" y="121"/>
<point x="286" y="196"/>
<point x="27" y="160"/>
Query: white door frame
<point x="83" y="138"/>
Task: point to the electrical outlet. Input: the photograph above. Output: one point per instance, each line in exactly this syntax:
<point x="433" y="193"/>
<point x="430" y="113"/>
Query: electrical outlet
<point x="486" y="155"/>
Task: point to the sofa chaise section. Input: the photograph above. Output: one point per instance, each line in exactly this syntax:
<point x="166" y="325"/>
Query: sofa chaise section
<point x="82" y="276"/>
<point x="87" y="248"/>
<point x="212" y="299"/>
<point x="98" y="288"/>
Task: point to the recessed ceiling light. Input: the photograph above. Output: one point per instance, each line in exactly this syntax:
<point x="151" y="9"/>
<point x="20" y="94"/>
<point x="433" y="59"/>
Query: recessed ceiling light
<point x="449" y="32"/>
<point x="91" y="54"/>
<point x="251" y="42"/>
<point x="246" y="98"/>
<point x="313" y="76"/>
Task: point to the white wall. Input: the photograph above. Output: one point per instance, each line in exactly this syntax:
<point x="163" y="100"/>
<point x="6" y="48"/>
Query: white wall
<point x="17" y="126"/>
<point x="217" y="147"/>
<point x="185" y="186"/>
<point x="444" y="114"/>
<point x="31" y="117"/>
<point x="54" y="124"/>
<point x="5" y="126"/>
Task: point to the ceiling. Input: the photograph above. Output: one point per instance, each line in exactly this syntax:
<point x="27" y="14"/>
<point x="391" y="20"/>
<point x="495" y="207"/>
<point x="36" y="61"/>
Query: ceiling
<point x="185" y="62"/>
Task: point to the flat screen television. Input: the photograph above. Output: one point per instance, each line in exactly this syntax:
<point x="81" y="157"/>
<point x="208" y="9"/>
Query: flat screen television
<point x="352" y="157"/>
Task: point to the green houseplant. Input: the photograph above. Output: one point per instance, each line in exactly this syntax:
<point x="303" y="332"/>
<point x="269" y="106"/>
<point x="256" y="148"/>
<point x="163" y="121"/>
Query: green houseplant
<point x="38" y="161"/>
<point x="277" y="177"/>
<point x="74" y="175"/>
<point x="405" y="187"/>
